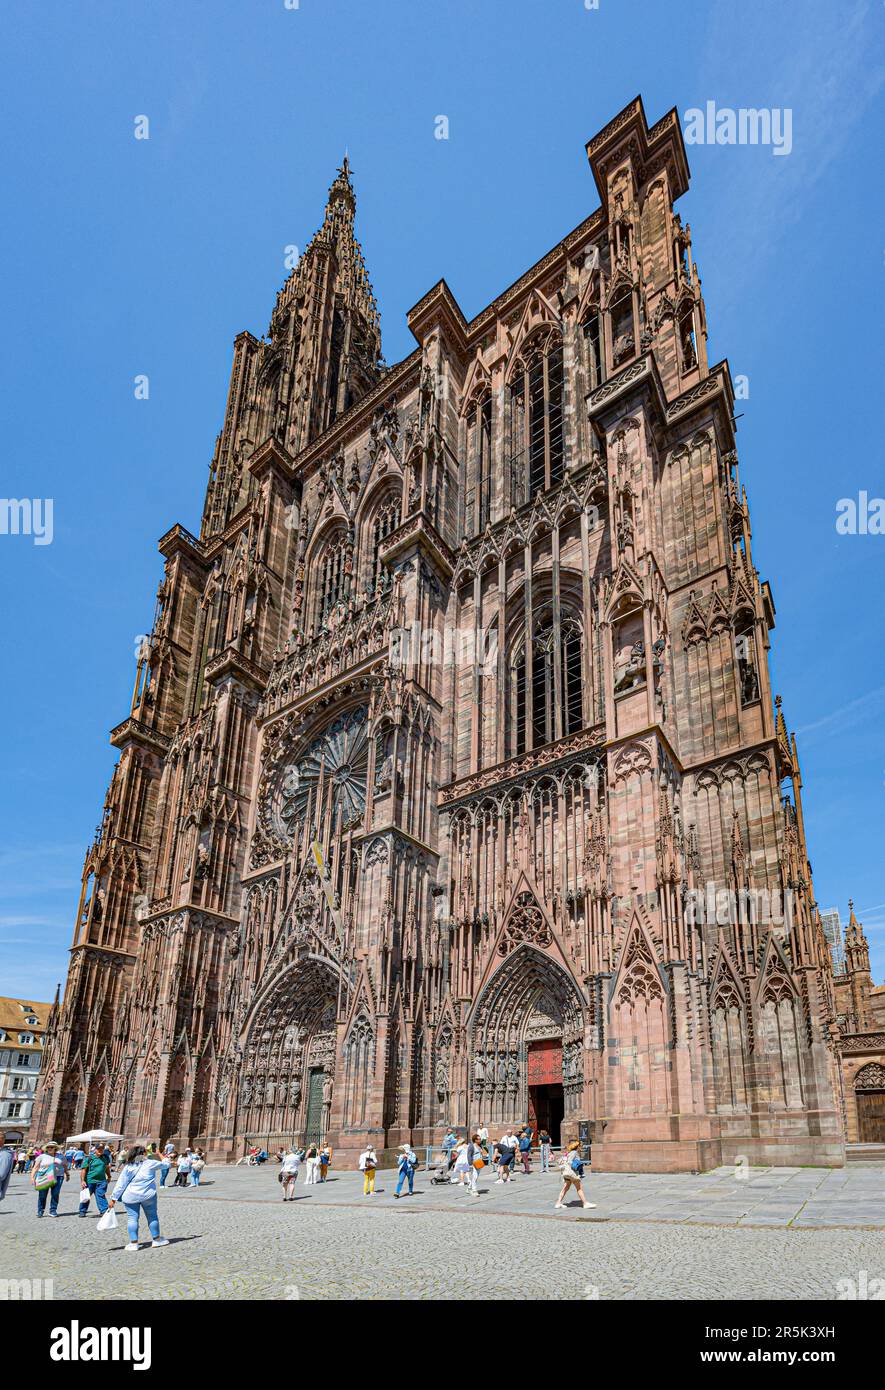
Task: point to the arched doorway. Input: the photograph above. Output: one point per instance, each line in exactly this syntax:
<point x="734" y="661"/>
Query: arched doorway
<point x="289" y="1057"/>
<point x="526" y="1044"/>
<point x="869" y="1097"/>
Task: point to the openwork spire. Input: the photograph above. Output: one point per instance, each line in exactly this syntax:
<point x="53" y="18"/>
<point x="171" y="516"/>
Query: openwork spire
<point x="336" y="236"/>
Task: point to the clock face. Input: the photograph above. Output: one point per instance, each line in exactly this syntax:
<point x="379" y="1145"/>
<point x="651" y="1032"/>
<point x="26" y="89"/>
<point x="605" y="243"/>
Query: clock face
<point x="334" y="769"/>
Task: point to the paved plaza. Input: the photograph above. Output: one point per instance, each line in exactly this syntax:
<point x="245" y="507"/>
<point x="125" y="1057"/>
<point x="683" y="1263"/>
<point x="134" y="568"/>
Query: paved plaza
<point x="777" y="1234"/>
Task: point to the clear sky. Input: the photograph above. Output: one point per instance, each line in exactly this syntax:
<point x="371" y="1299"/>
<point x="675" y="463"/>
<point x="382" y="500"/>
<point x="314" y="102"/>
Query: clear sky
<point x="123" y="257"/>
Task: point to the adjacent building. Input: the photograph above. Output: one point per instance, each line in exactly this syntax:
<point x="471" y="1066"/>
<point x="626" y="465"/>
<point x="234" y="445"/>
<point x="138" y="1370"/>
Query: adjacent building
<point x="22" y="1027"/>
<point x="860" y="1020"/>
<point x="453" y="787"/>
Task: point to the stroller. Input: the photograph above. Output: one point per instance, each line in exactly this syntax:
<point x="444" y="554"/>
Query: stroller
<point x="442" y="1173"/>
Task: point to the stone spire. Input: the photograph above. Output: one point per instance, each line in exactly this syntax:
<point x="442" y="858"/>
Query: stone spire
<point x="857" y="949"/>
<point x="321" y="354"/>
<point x="336" y="235"/>
<point x="857" y="967"/>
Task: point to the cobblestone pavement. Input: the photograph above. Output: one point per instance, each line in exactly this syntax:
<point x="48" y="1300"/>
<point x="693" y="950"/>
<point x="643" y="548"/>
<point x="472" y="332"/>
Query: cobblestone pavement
<point x="778" y="1234"/>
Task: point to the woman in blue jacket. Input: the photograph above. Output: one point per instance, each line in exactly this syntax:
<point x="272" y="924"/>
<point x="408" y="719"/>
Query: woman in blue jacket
<point x="137" y="1189"/>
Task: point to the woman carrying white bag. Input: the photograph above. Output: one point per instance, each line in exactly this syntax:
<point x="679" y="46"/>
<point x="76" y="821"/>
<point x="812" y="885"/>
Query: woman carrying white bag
<point x="137" y="1189"/>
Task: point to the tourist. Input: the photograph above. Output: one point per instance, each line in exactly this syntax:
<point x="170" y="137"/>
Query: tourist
<point x="449" y="1144"/>
<point x="198" y="1163"/>
<point x="94" y="1177"/>
<point x="311" y="1165"/>
<point x="475" y="1163"/>
<point x="79" y="1157"/>
<point x="183" y="1168"/>
<point x="166" y="1162"/>
<point x="546" y="1144"/>
<point x="406" y="1165"/>
<point x="506" y="1157"/>
<point x="50" y="1171"/>
<point x="483" y="1136"/>
<point x="461" y="1164"/>
<point x="325" y="1161"/>
<point x="572" y="1168"/>
<point x="368" y="1163"/>
<point x="289" y="1174"/>
<point x="22" y="1159"/>
<point x="7" y="1163"/>
<point x="137" y="1189"/>
<point x="525" y="1149"/>
<point x="30" y="1160"/>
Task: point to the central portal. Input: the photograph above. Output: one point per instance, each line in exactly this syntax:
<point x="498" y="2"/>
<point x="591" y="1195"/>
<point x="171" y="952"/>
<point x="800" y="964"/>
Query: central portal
<point x="546" y="1096"/>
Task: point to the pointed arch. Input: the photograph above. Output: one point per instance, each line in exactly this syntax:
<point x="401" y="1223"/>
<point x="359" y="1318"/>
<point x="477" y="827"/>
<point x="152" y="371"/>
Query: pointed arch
<point x="729" y="1035"/>
<point x="639" y="1022"/>
<point x="380" y="517"/>
<point x="529" y="984"/>
<point x="780" y="1030"/>
<point x="359" y="1067"/>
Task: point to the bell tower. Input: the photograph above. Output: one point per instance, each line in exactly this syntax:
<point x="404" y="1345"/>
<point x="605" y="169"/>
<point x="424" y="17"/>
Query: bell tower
<point x="321" y="354"/>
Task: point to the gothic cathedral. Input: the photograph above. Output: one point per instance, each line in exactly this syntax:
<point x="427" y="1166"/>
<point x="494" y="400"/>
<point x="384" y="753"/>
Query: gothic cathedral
<point x="453" y="779"/>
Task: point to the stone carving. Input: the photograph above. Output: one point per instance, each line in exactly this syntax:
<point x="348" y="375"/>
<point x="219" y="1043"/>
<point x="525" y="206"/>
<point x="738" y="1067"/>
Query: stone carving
<point x="335" y="765"/>
<point x="870" y="1078"/>
<point x="525" y="924"/>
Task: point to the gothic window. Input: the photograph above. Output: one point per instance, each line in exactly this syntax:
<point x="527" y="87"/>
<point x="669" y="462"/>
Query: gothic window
<point x="572" y="681"/>
<point x="336" y="351"/>
<point x="384" y="523"/>
<point x="268" y="395"/>
<point x="536" y="423"/>
<point x="332" y="576"/>
<point x="745" y="656"/>
<point x="549" y="703"/>
<point x="622" y="327"/>
<point x="623" y="237"/>
<point x="680" y="257"/>
<point x="594" y="356"/>
<point x="687" y="341"/>
<point x="479" y="453"/>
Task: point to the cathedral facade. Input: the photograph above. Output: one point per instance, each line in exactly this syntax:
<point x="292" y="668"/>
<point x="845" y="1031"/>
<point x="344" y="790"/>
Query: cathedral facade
<point x="453" y="789"/>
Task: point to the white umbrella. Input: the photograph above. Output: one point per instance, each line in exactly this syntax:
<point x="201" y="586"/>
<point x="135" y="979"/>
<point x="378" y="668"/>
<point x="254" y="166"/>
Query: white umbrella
<point x="92" y="1136"/>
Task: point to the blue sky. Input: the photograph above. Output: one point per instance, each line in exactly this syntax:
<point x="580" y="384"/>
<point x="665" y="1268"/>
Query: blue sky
<point x="123" y="257"/>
